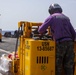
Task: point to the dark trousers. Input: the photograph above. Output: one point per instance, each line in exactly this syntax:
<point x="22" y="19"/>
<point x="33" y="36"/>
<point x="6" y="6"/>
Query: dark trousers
<point x="65" y="57"/>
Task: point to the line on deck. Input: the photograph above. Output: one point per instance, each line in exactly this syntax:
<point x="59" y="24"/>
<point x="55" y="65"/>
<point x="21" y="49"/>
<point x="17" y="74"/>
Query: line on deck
<point x="2" y="50"/>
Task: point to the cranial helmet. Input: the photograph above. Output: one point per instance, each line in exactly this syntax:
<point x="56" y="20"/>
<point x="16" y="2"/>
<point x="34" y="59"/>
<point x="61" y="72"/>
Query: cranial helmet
<point x="55" y="8"/>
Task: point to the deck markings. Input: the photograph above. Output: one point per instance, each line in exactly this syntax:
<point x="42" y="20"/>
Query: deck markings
<point x="2" y="50"/>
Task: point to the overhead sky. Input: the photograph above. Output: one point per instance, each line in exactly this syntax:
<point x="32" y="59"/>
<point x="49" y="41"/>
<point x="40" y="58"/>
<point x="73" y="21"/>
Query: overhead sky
<point x="13" y="11"/>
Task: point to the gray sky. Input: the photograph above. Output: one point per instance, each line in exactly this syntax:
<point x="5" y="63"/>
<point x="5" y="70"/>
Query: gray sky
<point x="13" y="11"/>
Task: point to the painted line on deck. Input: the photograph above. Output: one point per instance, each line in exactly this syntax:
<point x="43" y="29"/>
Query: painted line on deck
<point x="1" y="50"/>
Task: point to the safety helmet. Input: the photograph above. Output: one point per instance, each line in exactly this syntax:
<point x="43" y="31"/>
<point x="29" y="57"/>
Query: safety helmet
<point x="55" y="8"/>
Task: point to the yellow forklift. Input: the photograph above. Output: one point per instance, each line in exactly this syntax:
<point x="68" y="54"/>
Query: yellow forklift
<point x="36" y="52"/>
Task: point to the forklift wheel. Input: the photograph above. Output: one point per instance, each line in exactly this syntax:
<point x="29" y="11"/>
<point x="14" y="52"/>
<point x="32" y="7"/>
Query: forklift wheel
<point x="0" y="40"/>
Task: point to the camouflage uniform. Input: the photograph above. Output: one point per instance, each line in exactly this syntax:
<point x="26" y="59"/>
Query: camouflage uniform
<point x="65" y="52"/>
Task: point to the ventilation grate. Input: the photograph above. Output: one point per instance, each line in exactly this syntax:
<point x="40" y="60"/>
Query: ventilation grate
<point x="42" y="59"/>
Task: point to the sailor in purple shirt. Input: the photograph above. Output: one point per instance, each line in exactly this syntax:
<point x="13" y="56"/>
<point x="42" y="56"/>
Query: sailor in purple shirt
<point x="64" y="35"/>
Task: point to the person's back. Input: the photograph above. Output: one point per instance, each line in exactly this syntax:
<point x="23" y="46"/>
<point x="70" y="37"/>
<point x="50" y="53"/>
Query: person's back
<point x="64" y="35"/>
<point x="61" y="27"/>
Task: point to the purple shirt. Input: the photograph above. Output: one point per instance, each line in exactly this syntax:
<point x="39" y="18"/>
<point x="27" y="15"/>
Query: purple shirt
<point x="60" y="27"/>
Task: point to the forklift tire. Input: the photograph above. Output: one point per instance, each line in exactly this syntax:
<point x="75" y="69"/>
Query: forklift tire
<point x="0" y="40"/>
<point x="74" y="68"/>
